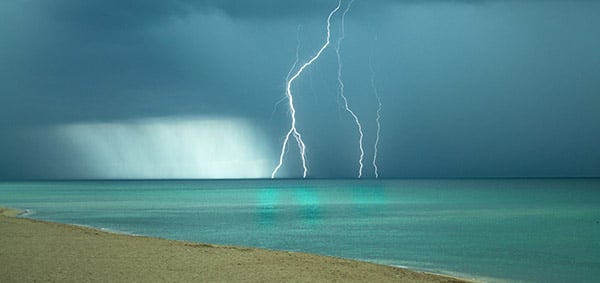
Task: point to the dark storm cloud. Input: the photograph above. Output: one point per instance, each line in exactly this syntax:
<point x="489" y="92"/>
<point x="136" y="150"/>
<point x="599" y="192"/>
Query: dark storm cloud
<point x="506" y="89"/>
<point x="281" y="9"/>
<point x="100" y="16"/>
<point x="132" y="14"/>
<point x="113" y="59"/>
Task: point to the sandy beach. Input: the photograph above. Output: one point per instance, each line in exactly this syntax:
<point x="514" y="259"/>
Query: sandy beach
<point x="37" y="251"/>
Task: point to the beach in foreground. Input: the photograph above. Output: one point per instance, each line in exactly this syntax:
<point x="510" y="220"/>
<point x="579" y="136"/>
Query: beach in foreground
<point x="37" y="251"/>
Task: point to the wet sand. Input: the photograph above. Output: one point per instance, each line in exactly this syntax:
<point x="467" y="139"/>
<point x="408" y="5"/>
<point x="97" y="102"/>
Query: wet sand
<point x="38" y="251"/>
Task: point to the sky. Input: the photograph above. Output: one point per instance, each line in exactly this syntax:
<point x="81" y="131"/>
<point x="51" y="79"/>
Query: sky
<point x="197" y="88"/>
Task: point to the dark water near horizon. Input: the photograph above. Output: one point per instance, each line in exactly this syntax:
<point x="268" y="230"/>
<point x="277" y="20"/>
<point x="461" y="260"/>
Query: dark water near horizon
<point x="517" y="230"/>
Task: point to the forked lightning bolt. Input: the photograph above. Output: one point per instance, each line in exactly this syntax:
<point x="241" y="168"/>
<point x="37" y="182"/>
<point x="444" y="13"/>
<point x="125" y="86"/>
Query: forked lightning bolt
<point x="378" y="119"/>
<point x="288" y="93"/>
<point x="341" y="90"/>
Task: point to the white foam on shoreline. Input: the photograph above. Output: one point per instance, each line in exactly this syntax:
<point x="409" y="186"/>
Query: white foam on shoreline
<point x="463" y="276"/>
<point x="107" y="230"/>
<point x="26" y="213"/>
<point x="457" y="275"/>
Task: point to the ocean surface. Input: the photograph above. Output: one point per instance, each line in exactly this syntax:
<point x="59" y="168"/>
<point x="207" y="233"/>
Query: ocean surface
<point x="513" y="230"/>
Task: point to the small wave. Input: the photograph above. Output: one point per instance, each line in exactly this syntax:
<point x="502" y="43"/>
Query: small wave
<point x="114" y="231"/>
<point x="104" y="229"/>
<point x="419" y="266"/>
<point x="470" y="277"/>
<point x="26" y="213"/>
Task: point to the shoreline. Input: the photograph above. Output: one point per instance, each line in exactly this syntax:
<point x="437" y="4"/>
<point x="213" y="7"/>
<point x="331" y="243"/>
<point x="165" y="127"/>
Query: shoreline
<point x="35" y="250"/>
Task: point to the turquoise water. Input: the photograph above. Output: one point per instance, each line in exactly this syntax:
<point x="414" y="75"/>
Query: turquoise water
<point x="544" y="230"/>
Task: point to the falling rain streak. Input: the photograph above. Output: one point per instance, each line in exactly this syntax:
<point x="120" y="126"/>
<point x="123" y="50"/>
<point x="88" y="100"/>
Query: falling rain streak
<point x="292" y="110"/>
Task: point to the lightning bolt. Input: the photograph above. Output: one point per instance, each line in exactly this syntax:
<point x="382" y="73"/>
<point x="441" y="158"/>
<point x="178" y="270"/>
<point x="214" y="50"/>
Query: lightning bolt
<point x="341" y="90"/>
<point x="378" y="119"/>
<point x="288" y="93"/>
<point x="287" y="78"/>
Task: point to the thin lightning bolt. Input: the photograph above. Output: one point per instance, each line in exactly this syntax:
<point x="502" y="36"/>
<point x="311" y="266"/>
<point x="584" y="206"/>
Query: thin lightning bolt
<point x="287" y="78"/>
<point x="288" y="93"/>
<point x="377" y="120"/>
<point x="341" y="90"/>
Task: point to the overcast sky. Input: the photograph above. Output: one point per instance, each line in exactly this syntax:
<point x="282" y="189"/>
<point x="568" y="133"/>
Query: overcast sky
<point x="194" y="88"/>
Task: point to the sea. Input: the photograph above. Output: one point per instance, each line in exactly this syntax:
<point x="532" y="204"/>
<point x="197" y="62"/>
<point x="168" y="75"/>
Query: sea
<point x="490" y="230"/>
